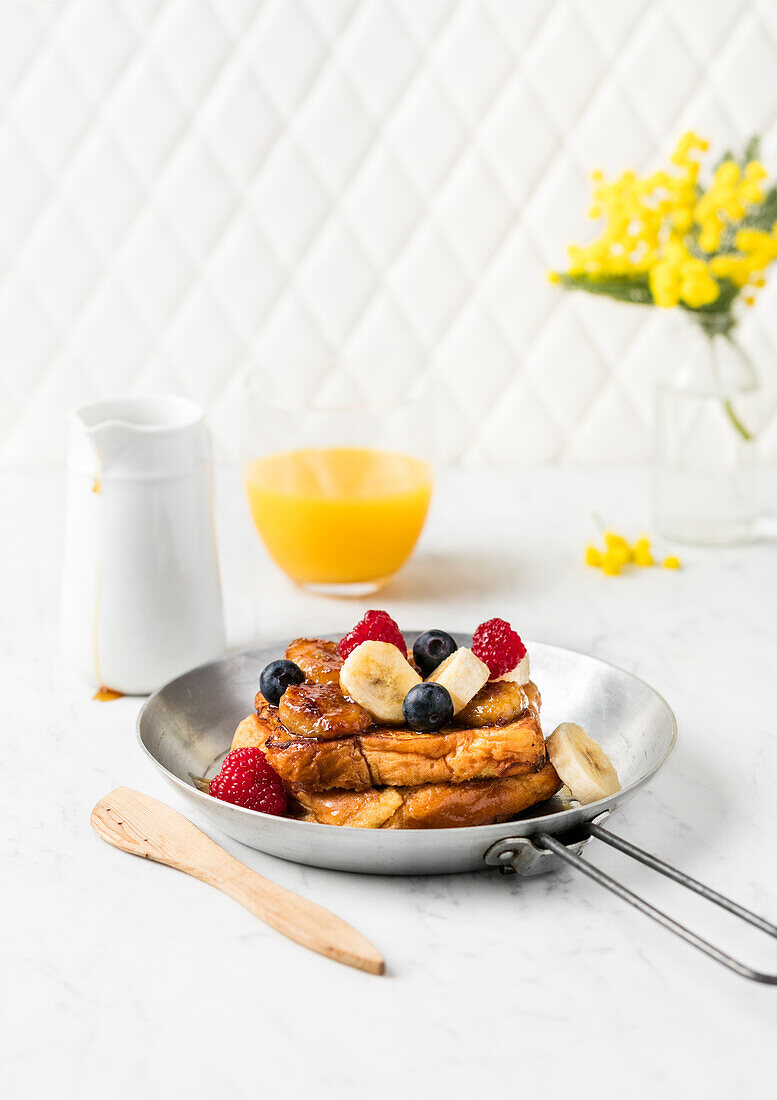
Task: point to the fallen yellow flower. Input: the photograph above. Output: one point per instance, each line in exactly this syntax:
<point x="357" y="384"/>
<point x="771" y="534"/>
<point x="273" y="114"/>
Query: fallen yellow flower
<point x="618" y="552"/>
<point x="611" y="563"/>
<point x="640" y="552"/>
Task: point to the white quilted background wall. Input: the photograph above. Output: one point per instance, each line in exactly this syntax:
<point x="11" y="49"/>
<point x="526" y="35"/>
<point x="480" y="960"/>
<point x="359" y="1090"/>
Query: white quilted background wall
<point x="190" y="186"/>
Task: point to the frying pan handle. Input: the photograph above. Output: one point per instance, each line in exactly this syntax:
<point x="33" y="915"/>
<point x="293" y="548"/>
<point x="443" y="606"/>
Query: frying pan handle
<point x="544" y="844"/>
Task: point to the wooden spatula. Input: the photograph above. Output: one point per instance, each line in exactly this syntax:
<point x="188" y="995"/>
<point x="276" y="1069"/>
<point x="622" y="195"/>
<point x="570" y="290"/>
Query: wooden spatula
<point x="145" y="827"/>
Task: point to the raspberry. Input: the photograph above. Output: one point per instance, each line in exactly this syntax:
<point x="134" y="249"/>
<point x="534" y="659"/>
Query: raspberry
<point x="496" y="643"/>
<point x="246" y="779"/>
<point x="376" y="626"/>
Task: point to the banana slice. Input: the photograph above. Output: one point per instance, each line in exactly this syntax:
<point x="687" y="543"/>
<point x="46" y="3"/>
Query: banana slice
<point x="495" y="704"/>
<point x="581" y="763"/>
<point x="521" y="674"/>
<point x="463" y="674"/>
<point x="319" y="660"/>
<point x="378" y="677"/>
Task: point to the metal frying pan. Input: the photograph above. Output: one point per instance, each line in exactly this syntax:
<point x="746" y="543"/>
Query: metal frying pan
<point x="187" y="726"/>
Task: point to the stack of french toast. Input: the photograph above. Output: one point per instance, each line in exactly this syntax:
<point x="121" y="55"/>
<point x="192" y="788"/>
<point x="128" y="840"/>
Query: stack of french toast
<point x="369" y="733"/>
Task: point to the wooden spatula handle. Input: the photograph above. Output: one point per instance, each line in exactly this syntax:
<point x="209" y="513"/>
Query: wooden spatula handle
<point x="145" y="827"/>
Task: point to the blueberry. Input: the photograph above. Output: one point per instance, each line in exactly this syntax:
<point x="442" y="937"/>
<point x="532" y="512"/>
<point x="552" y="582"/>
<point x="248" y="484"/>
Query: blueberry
<point x="428" y="707"/>
<point x="276" y="677"/>
<point x="430" y="650"/>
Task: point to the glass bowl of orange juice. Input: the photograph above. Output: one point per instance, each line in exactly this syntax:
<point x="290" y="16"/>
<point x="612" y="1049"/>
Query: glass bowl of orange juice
<point x="338" y="484"/>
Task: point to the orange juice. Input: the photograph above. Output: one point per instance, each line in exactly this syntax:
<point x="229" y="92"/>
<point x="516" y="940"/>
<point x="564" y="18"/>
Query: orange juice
<point x="339" y="515"/>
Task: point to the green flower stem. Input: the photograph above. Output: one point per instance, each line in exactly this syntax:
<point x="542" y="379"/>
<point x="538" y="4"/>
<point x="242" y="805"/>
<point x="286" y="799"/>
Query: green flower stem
<point x="717" y="320"/>
<point x="728" y="404"/>
<point x="746" y="435"/>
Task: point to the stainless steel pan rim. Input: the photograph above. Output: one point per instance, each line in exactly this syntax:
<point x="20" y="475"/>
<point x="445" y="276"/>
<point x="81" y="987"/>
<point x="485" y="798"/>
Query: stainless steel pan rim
<point x="592" y="810"/>
<point x="189" y="723"/>
<point x="559" y="822"/>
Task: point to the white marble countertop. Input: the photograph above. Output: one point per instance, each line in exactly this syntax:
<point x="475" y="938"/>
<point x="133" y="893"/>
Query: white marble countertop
<point x="123" y="978"/>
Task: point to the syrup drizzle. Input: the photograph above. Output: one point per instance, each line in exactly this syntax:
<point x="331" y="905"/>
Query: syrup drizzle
<point x="107" y="695"/>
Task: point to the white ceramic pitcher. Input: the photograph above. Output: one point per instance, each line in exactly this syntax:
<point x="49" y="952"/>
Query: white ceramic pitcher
<point x="141" y="598"/>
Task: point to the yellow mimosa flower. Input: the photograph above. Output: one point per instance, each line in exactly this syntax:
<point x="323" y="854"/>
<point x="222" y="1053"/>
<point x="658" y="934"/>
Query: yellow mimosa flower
<point x="665" y="239"/>
<point x="726" y="175"/>
<point x="640" y="551"/>
<point x="611" y="564"/>
<point x="618" y="549"/>
<point x="682" y="218"/>
<point x="754" y="170"/>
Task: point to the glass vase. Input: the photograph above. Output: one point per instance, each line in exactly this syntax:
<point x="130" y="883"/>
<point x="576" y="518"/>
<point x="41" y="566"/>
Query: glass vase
<point x="704" y="464"/>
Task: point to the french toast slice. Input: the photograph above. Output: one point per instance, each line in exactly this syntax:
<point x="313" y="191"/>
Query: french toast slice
<point x="383" y="757"/>
<point x="431" y="805"/>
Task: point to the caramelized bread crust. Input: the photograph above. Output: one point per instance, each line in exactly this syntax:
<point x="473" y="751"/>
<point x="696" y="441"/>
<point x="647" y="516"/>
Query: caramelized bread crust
<point x="403" y="758"/>
<point x="497" y="702"/>
<point x="321" y="710"/>
<point x="341" y="755"/>
<point x="319" y="660"/>
<point x="432" y="805"/>
<point x="254" y="730"/>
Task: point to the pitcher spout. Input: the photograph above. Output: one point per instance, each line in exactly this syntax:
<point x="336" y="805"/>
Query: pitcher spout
<point x="130" y="436"/>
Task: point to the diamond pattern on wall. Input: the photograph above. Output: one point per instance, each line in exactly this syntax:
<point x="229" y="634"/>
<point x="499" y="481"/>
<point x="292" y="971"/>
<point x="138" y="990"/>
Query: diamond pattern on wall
<point x="192" y="187"/>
